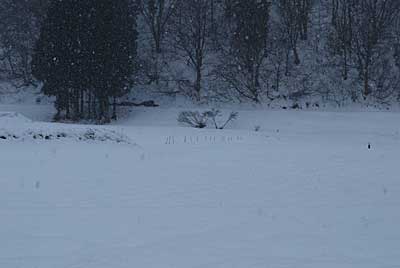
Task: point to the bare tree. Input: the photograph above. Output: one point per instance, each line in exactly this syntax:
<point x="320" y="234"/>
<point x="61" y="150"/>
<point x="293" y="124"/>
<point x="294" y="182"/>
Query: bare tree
<point x="304" y="10"/>
<point x="295" y="16"/>
<point x="191" y="37"/>
<point x="19" y="27"/>
<point x="244" y="53"/>
<point x="374" y="21"/>
<point x="341" y="38"/>
<point x="157" y="15"/>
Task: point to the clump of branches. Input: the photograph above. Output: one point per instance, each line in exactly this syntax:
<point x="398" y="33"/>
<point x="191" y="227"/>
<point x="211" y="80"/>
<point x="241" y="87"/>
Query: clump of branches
<point x="200" y="120"/>
<point x="193" y="118"/>
<point x="215" y="114"/>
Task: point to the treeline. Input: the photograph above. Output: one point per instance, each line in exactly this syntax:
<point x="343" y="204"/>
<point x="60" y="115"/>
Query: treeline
<point x="225" y="50"/>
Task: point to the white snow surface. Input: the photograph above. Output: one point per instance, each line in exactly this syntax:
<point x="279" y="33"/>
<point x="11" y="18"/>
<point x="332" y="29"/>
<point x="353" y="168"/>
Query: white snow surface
<point x="13" y="118"/>
<point x="303" y="192"/>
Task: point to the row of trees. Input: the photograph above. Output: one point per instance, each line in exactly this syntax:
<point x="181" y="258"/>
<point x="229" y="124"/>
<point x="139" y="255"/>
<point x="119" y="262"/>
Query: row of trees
<point x="228" y="50"/>
<point x="262" y="50"/>
<point x="365" y="35"/>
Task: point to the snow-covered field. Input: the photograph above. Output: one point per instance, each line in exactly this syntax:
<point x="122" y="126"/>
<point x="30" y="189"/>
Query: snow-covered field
<point x="303" y="192"/>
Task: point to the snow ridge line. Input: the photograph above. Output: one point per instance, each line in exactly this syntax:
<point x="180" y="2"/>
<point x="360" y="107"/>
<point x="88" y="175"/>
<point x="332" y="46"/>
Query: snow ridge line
<point x="51" y="133"/>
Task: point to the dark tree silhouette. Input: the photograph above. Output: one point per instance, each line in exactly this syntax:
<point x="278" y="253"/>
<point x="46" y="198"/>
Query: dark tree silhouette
<point x="85" y="55"/>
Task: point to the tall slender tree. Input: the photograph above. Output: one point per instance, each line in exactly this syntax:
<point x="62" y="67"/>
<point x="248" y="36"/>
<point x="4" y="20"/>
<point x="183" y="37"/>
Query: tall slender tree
<point x="192" y="36"/>
<point x="157" y="15"/>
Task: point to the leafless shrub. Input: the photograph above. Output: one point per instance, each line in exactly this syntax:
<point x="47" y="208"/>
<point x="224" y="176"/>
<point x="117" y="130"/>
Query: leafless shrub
<point x="199" y="120"/>
<point x="214" y="114"/>
<point x="193" y="119"/>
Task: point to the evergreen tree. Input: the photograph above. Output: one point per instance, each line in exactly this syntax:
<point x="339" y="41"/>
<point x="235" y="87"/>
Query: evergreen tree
<point x="85" y="55"/>
<point x="48" y="63"/>
<point x="114" y="51"/>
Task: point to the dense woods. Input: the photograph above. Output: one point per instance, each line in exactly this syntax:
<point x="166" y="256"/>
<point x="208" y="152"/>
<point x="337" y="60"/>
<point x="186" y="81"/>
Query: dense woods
<point x="89" y="53"/>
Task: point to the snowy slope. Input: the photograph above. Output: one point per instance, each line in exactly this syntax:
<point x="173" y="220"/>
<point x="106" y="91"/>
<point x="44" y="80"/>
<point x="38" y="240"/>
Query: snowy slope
<point x="303" y="192"/>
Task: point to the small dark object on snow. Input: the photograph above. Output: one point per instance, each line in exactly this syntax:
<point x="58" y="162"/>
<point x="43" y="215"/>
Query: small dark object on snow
<point x="61" y="135"/>
<point x="369" y="146"/>
<point x="296" y="106"/>
<point x="90" y="135"/>
<point x="133" y="104"/>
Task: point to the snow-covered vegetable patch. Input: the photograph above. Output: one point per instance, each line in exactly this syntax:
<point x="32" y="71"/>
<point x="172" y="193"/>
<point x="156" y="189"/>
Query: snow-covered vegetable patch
<point x="48" y="132"/>
<point x="14" y="126"/>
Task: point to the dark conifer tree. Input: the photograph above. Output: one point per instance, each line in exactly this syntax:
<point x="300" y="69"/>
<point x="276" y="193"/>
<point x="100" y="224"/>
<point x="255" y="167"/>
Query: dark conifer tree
<point x="85" y="55"/>
<point x="114" y="51"/>
<point x="48" y="63"/>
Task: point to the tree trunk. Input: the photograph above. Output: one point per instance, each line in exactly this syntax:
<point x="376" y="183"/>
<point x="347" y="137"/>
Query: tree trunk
<point x="345" y="71"/>
<point x="114" y="112"/>
<point x="367" y="89"/>
<point x="287" y="63"/>
<point x="89" y="113"/>
<point x="75" y="104"/>
<point x="82" y="109"/>
<point x="296" y="56"/>
<point x="197" y="85"/>
<point x="67" y="108"/>
<point x="103" y="115"/>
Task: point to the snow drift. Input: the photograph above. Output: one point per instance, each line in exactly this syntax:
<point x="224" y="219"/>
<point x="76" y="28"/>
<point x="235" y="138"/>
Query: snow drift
<point x="14" y="126"/>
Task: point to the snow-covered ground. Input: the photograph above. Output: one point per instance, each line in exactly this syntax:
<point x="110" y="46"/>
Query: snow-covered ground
<point x="303" y="192"/>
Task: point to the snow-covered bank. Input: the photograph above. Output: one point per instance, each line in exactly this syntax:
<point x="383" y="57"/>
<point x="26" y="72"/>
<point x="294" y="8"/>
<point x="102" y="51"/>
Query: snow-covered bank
<point x="305" y="191"/>
<point x="16" y="127"/>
